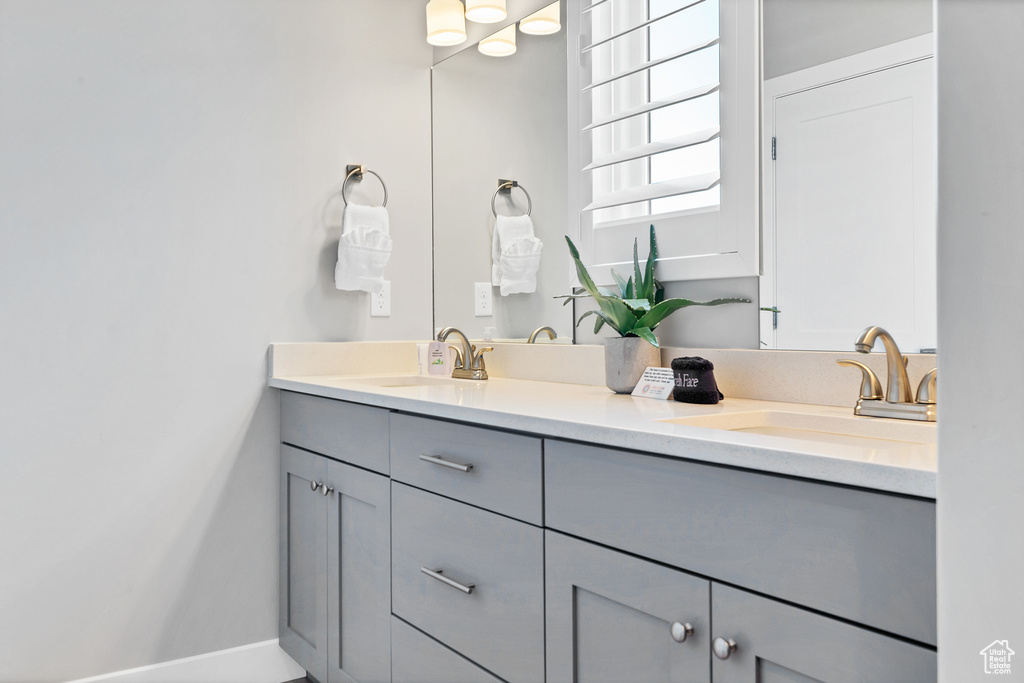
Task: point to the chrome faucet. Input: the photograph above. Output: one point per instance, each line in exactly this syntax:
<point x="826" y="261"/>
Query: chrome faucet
<point x="469" y="362"/>
<point x="898" y="402"/>
<point x="897" y="388"/>
<point x="533" y="337"/>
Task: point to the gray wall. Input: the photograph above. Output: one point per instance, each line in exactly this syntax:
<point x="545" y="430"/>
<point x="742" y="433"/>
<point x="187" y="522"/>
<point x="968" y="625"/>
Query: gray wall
<point x="981" y="323"/>
<point x="163" y="166"/>
<point x="802" y="33"/>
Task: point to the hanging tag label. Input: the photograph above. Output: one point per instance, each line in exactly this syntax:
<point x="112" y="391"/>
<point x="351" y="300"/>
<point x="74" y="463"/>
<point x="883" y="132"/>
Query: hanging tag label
<point x="437" y="359"/>
<point x="655" y="383"/>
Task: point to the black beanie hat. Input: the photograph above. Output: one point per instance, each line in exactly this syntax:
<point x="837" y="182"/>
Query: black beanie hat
<point x="695" y="381"/>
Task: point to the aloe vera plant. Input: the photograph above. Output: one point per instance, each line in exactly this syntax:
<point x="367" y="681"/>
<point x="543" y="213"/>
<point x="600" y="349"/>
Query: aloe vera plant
<point x="640" y="304"/>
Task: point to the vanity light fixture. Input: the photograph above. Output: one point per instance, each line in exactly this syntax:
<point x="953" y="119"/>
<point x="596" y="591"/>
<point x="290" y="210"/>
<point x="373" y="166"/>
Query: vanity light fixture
<point x="446" y="22"/>
<point x="543" y="22"/>
<point x="500" y="44"/>
<point x="485" y="11"/>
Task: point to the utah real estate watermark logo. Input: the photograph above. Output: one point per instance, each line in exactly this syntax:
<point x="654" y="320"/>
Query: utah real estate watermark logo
<point x="997" y="657"/>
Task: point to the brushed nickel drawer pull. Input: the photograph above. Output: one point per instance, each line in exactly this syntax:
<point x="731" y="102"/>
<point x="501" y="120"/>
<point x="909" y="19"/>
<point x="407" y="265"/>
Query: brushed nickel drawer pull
<point x="466" y="588"/>
<point x="446" y="463"/>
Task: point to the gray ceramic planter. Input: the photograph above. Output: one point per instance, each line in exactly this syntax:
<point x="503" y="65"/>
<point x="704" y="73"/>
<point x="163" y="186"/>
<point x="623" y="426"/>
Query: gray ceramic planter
<point x="625" y="359"/>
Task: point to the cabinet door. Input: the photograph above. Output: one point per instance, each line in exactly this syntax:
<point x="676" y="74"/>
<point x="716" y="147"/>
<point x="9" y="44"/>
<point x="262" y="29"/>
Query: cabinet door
<point x="612" y="617"/>
<point x="302" y="622"/>
<point x="778" y="643"/>
<point x="359" y="575"/>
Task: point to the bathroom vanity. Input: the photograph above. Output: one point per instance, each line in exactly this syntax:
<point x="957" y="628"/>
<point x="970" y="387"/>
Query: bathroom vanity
<point x="523" y="531"/>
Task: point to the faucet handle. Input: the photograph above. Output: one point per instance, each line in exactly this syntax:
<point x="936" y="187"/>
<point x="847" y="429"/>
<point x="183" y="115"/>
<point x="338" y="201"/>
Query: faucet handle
<point x="478" y="357"/>
<point x="926" y="389"/>
<point x="870" y="387"/>
<point x="459" y="362"/>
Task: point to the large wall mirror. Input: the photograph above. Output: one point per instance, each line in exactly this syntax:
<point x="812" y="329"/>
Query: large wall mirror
<point x="863" y="247"/>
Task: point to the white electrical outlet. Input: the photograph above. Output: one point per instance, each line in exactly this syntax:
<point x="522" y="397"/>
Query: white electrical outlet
<point x="482" y="304"/>
<point x="380" y="302"/>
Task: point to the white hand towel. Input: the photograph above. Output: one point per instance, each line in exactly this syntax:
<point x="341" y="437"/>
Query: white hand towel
<point x="515" y="255"/>
<point x="519" y="264"/>
<point x="364" y="248"/>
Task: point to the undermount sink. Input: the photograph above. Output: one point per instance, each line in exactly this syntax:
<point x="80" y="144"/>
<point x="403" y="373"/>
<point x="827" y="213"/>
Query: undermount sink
<point x="403" y="381"/>
<point x="832" y="429"/>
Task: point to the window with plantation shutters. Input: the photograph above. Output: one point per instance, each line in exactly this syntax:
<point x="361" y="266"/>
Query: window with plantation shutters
<point x="664" y="131"/>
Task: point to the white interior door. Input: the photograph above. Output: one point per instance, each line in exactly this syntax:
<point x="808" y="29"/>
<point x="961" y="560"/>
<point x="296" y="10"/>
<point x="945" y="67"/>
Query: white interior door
<point x="854" y="211"/>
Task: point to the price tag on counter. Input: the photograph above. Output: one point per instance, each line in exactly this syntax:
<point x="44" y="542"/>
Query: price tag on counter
<point x="655" y="383"/>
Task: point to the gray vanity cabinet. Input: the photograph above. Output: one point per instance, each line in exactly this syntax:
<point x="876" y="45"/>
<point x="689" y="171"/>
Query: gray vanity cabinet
<point x="417" y="549"/>
<point x="779" y="643"/>
<point x="335" y="555"/>
<point x="612" y="617"/>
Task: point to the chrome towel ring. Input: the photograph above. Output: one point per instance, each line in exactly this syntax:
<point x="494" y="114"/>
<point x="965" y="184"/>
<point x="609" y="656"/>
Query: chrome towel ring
<point x="505" y="186"/>
<point x="356" y="172"/>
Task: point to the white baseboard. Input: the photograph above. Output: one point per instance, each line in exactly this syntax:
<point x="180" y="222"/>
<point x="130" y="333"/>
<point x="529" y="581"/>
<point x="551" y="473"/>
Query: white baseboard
<point x="262" y="662"/>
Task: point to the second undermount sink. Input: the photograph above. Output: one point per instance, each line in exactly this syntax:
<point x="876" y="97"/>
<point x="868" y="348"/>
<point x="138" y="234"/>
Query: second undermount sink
<point x="392" y="381"/>
<point x="832" y="429"/>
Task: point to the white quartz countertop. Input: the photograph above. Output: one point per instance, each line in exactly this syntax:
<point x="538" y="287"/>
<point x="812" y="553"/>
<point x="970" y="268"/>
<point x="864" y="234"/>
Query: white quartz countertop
<point x="594" y="415"/>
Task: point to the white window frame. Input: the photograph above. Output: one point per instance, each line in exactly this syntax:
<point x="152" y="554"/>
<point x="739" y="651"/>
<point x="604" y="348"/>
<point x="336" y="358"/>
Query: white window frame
<point x="693" y="245"/>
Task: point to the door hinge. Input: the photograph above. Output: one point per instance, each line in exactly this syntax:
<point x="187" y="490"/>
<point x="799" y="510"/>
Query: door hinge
<point x="773" y="148"/>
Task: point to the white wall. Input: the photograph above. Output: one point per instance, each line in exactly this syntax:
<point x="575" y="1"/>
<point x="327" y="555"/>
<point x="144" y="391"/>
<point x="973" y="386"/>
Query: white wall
<point x="163" y="166"/>
<point x="981" y="324"/>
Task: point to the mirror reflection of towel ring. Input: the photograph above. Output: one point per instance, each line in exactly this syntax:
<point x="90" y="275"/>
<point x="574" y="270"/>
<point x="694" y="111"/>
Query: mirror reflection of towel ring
<point x="357" y="172"/>
<point x="506" y="186"/>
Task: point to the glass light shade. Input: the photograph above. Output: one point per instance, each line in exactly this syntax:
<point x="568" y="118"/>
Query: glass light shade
<point x="500" y="44"/>
<point x="543" y="22"/>
<point x="485" y="11"/>
<point x="446" y="22"/>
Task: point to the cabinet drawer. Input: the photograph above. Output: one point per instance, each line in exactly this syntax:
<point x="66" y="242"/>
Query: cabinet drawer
<point x="500" y="623"/>
<point x="864" y="556"/>
<point x="417" y="658"/>
<point x="346" y="431"/>
<point x="505" y="472"/>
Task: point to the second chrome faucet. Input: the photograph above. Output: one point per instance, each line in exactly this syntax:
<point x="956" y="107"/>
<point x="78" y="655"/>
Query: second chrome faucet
<point x="469" y="361"/>
<point x="898" y="401"/>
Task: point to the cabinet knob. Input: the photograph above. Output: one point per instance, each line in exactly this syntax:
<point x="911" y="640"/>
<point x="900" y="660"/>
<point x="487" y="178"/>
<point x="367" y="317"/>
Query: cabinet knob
<point x="680" y="632"/>
<point x="723" y="647"/>
<point x="326" y="490"/>
<point x="313" y="486"/>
